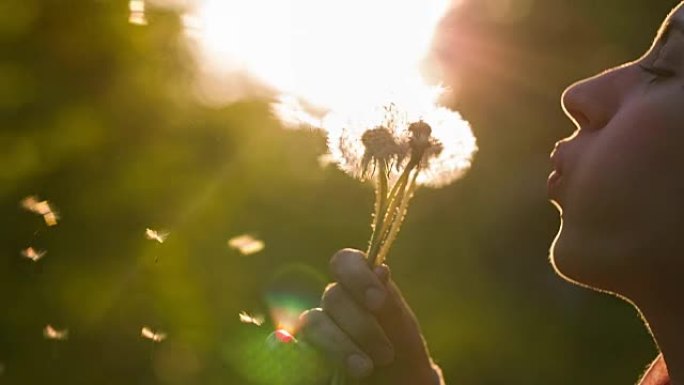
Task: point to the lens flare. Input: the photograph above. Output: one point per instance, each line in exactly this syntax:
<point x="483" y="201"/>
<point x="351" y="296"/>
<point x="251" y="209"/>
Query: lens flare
<point x="294" y="289"/>
<point x="283" y="336"/>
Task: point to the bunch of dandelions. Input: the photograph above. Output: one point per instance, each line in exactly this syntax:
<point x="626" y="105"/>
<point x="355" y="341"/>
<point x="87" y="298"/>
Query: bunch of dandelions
<point x="398" y="150"/>
<point x="399" y="147"/>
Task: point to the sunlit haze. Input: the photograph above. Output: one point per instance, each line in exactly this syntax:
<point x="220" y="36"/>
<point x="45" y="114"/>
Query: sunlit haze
<point x="331" y="54"/>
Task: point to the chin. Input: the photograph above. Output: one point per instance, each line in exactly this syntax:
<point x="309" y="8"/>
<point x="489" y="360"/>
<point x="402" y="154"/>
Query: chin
<point x="577" y="263"/>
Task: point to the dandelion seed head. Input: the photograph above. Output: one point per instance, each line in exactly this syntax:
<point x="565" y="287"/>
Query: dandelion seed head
<point x="33" y="254"/>
<point x="420" y="130"/>
<point x="420" y="135"/>
<point x="451" y="151"/>
<point x="381" y="145"/>
<point x="51" y="333"/>
<point x="395" y="130"/>
<point x="246" y="318"/>
<point x="356" y="137"/>
<point x="150" y="334"/>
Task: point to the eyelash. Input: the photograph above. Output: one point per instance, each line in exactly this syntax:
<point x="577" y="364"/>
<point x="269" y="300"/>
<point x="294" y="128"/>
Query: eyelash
<point x="658" y="73"/>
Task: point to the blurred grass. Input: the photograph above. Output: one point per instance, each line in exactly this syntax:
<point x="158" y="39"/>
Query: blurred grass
<point x="98" y="117"/>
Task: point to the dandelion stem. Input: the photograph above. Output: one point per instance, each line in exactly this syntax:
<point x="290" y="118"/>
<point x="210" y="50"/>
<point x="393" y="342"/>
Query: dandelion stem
<point x="394" y="199"/>
<point x="396" y="224"/>
<point x="380" y="202"/>
<point x="386" y="217"/>
<point x="402" y="178"/>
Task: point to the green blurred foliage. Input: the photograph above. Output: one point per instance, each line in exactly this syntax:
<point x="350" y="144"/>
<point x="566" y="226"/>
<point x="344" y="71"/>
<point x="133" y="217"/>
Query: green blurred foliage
<point x="98" y="117"/>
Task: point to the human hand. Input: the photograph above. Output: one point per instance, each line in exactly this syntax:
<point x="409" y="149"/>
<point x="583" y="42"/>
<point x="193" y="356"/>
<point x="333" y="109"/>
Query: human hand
<point x="365" y="326"/>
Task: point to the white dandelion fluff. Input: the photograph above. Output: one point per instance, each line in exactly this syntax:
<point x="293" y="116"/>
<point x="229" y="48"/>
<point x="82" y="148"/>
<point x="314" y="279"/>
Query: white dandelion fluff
<point x="457" y="148"/>
<point x="355" y="138"/>
<point x="400" y="145"/>
<point x="384" y="134"/>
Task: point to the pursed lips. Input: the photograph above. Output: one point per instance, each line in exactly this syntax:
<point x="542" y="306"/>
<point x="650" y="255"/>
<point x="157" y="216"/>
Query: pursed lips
<point x="555" y="180"/>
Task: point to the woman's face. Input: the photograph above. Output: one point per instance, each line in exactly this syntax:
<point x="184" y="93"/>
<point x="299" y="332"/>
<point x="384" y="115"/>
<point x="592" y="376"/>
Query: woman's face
<point x="621" y="184"/>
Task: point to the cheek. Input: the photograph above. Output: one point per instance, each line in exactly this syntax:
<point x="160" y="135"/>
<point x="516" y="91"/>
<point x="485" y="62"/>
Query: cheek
<point x="624" y="198"/>
<point x="632" y="168"/>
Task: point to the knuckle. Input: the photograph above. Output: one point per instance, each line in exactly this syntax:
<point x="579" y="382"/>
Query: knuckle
<point x="312" y="319"/>
<point x="332" y="296"/>
<point x="340" y="258"/>
<point x="368" y="333"/>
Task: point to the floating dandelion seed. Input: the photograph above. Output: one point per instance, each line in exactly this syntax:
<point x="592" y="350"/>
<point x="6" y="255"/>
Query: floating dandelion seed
<point x="137" y="12"/>
<point x="148" y="333"/>
<point x="51" y="333"/>
<point x="155" y="235"/>
<point x="246" y="244"/>
<point x="33" y="254"/>
<point x="36" y="206"/>
<point x="257" y="320"/>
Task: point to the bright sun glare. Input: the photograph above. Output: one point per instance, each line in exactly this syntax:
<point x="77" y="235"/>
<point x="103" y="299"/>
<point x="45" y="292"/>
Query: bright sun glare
<point x="330" y="53"/>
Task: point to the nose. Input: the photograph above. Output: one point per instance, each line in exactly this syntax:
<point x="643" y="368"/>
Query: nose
<point x="591" y="103"/>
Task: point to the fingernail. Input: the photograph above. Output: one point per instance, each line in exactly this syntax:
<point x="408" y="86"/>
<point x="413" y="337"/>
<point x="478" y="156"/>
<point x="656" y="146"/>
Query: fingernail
<point x="358" y="366"/>
<point x="375" y="298"/>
